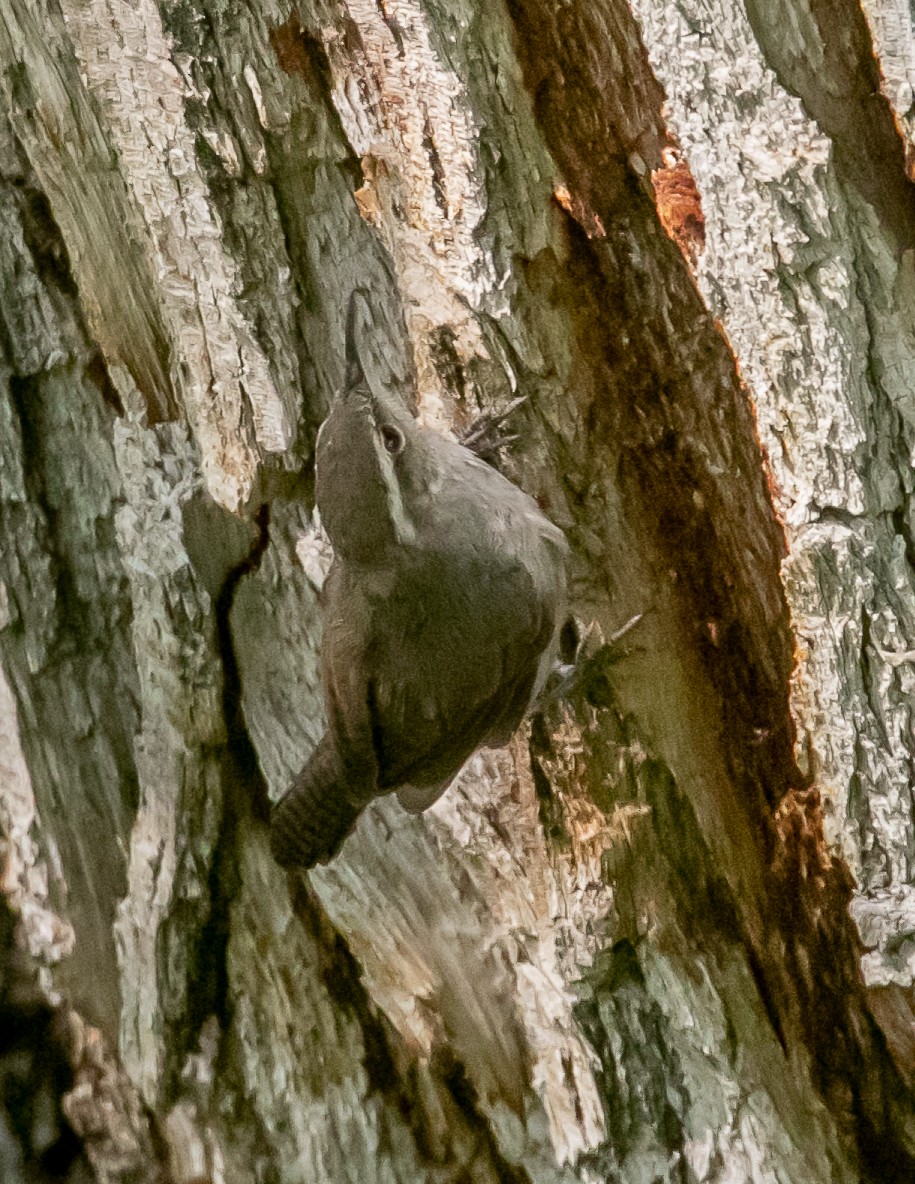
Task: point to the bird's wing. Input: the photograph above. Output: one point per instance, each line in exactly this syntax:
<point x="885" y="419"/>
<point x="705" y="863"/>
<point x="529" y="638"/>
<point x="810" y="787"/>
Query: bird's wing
<point x="347" y="687"/>
<point x="456" y="679"/>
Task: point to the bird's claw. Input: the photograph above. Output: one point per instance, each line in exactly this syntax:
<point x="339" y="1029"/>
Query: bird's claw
<point x="481" y="436"/>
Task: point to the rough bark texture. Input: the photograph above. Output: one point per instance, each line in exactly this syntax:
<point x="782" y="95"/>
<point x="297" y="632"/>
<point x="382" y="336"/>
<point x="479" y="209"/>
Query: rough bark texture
<point x="667" y="935"/>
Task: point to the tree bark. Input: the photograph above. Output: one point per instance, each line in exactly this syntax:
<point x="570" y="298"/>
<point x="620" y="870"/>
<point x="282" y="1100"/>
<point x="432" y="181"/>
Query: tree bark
<point x="667" y="934"/>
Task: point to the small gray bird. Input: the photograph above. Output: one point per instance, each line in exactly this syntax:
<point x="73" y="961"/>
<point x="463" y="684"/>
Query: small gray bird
<point x="445" y="596"/>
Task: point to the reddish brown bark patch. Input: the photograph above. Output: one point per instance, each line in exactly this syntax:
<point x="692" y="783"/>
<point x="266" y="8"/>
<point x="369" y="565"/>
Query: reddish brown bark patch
<point x="679" y="205"/>
<point x="300" y="53"/>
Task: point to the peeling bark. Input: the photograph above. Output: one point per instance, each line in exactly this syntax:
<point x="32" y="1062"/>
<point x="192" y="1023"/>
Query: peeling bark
<point x="665" y="935"/>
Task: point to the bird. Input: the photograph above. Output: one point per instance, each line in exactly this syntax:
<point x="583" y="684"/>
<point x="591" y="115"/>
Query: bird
<point x="443" y="607"/>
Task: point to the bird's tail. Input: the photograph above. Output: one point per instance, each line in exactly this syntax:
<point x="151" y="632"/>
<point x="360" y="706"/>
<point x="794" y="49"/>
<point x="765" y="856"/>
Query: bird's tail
<point x="308" y="825"/>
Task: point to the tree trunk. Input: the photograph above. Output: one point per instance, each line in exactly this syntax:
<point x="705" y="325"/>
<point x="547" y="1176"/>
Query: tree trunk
<point x="667" y="934"/>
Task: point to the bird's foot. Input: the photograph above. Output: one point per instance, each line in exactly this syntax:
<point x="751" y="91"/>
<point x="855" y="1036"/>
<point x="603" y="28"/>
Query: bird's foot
<point x="588" y="674"/>
<point x="483" y="437"/>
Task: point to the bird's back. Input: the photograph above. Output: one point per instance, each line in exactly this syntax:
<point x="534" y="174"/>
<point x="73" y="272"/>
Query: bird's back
<point x="458" y="626"/>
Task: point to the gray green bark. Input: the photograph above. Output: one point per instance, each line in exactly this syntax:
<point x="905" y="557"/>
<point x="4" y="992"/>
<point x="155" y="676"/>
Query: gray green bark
<point x="663" y="936"/>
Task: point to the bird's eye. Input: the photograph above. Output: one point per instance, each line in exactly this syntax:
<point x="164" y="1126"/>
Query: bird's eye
<point x="393" y="439"/>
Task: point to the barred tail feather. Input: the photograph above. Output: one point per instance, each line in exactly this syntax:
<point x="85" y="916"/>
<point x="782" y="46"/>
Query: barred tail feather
<point x="309" y="824"/>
